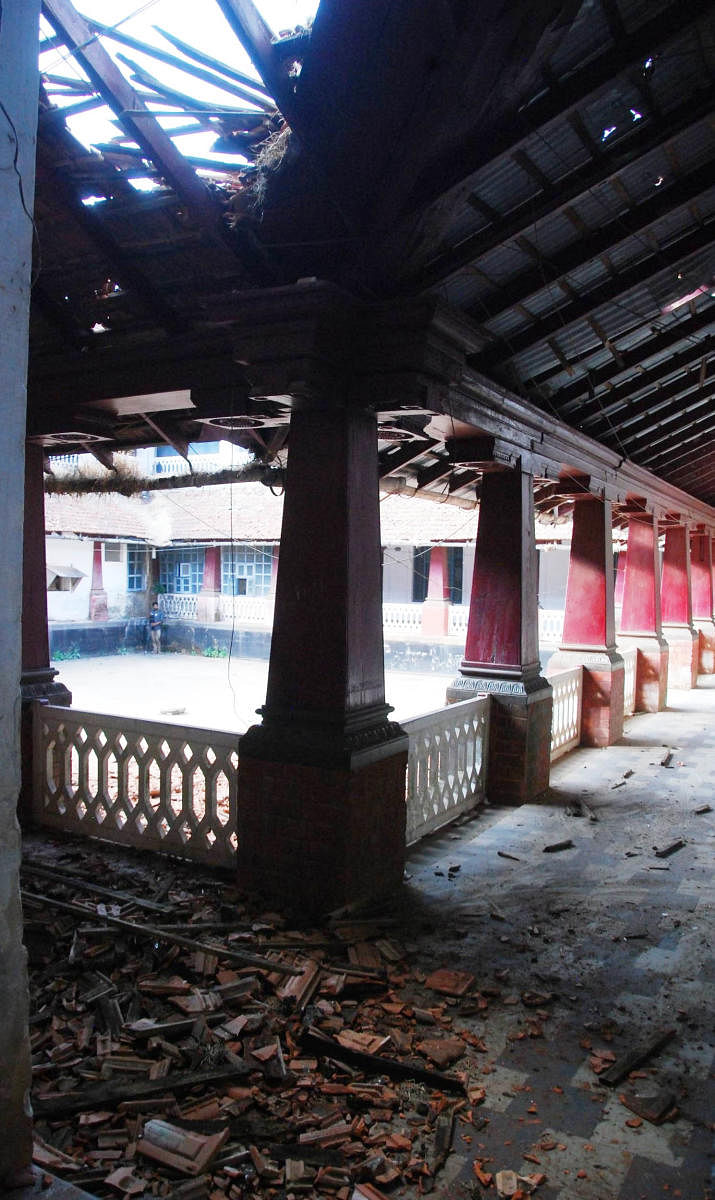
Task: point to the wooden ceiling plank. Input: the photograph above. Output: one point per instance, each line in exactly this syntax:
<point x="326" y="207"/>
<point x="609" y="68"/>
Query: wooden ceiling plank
<point x="640" y="273"/>
<point x="214" y="64"/>
<point x="592" y="244"/>
<point x="643" y="139"/>
<point x="395" y="458"/>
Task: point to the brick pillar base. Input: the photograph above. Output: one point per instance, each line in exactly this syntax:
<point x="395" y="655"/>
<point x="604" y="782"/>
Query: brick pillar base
<point x="683" y="655"/>
<point x="519" y="733"/>
<point x="651" y="669"/>
<point x="603" y="684"/>
<point x="336" y="834"/>
<point x="706" y="645"/>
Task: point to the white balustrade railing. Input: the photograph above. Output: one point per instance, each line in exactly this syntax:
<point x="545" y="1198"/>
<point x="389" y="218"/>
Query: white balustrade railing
<point x="177" y="604"/>
<point x="551" y="626"/>
<point x="566" y="717"/>
<point x="458" y="619"/>
<point x="447" y="764"/>
<point x="179" y="466"/>
<point x="136" y="782"/>
<point x="402" y="616"/>
<point x="248" y="610"/>
<point x="630" y="659"/>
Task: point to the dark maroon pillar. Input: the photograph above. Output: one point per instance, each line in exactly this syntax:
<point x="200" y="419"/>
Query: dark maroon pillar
<point x="435" y="610"/>
<point x="589" y="638"/>
<point x="677" y="610"/>
<point x="641" y="624"/>
<point x="38" y="680"/>
<point x="322" y="779"/>
<point x="703" y="587"/>
<point x="98" y="610"/>
<point x="501" y="654"/>
<point x="207" y="606"/>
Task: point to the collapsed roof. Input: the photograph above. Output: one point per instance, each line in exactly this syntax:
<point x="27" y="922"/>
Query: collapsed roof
<point x="541" y="171"/>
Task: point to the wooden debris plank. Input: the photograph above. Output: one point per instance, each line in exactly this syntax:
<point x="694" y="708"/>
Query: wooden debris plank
<point x="112" y="1094"/>
<point x="628" y="1062"/>
<point x="328" y="1047"/>
<point x="57" y="875"/>
<point x="153" y="934"/>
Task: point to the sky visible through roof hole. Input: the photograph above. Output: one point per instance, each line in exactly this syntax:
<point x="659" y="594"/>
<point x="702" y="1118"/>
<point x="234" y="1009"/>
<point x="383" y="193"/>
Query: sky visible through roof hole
<point x="202" y="26"/>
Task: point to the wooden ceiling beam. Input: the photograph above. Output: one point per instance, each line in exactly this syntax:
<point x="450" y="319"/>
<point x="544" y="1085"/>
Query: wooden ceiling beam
<point x="678" y="447"/>
<point x="640" y="273"/>
<point x="640" y="141"/>
<point x="574" y="92"/>
<point x="397" y="457"/>
<point x="653" y="427"/>
<point x="592" y="243"/>
<point x="256" y="37"/>
<point x="143" y="127"/>
<point x="623" y="414"/>
<point x="661" y="342"/>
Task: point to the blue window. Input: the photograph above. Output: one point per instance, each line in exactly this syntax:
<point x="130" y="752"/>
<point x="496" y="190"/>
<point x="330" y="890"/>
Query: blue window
<point x="246" y="570"/>
<point x="136" y="568"/>
<point x="181" y="570"/>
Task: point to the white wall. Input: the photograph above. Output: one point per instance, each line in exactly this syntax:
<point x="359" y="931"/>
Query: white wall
<point x="74" y="605"/>
<point x="397" y="574"/>
<point x="553" y="574"/>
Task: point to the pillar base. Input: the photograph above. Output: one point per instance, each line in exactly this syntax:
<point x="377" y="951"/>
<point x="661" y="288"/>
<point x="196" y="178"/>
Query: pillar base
<point x="683" y="655"/>
<point x="98" y="606"/>
<point x="435" y="618"/>
<point x="651" y="669"/>
<point x="322" y="816"/>
<point x="519" y="731"/>
<point x="207" y="608"/>
<point x="705" y="629"/>
<point x="603" y="686"/>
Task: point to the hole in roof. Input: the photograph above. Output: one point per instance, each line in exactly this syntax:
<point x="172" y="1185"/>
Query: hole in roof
<point x="90" y="201"/>
<point x="659" y="181"/>
<point x="637" y="116"/>
<point x="98" y="327"/>
<point x="142" y="183"/>
<point x="607" y="132"/>
<point x="648" y="65"/>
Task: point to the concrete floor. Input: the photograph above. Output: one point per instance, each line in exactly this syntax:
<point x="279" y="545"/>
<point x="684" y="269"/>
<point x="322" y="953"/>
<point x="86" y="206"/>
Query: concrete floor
<point x="211" y="693"/>
<point x="619" y="937"/>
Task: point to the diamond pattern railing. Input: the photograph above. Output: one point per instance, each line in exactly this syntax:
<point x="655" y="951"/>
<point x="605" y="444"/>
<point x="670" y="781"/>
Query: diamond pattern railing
<point x="447" y="765"/>
<point x="566" y="716"/>
<point x="136" y="782"/>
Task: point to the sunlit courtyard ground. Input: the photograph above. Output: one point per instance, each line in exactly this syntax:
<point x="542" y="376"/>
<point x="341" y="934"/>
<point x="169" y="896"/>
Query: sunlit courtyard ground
<point x="211" y="693"/>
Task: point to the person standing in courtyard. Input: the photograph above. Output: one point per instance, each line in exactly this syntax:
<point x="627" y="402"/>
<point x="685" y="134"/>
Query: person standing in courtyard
<point x="155" y="622"/>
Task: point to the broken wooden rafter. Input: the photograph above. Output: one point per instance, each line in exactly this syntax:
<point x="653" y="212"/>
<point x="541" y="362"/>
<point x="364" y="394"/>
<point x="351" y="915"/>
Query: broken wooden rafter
<point x="111" y="1094"/>
<point x="140" y="123"/>
<point x="255" y="96"/>
<point x="214" y="64"/>
<point x="152" y="933"/>
<point x="374" y="1064"/>
<point x="256" y="37"/>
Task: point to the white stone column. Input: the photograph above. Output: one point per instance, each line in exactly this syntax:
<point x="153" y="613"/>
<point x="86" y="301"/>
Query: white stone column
<point x="18" y="92"/>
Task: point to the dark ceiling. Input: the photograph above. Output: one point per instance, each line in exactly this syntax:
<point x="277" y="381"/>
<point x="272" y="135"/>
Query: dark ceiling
<point x="544" y="167"/>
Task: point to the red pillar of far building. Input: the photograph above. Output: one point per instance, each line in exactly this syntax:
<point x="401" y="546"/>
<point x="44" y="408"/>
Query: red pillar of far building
<point x="435" y="610"/>
<point x="641" y="621"/>
<point x="703" y="586"/>
<point x="207" y="609"/>
<point x="589" y="638"/>
<point x="98" y="608"/>
<point x="502" y="654"/>
<point x="677" y="609"/>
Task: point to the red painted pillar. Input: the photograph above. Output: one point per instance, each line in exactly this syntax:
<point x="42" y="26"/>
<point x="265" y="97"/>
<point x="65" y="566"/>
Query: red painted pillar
<point x="703" y="584"/>
<point x="322" y="779"/>
<point x="98" y="610"/>
<point x="677" y="610"/>
<point x="620" y="579"/>
<point x="435" y="610"/>
<point x="641" y="626"/>
<point x="207" y="605"/>
<point x="589" y="638"/>
<point x="38" y="680"/>
<point x="501" y="653"/>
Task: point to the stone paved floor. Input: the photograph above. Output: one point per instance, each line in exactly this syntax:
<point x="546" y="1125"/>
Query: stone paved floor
<point x="623" y="939"/>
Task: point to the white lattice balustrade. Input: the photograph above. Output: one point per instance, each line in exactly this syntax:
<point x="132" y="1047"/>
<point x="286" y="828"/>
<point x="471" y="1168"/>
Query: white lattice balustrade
<point x="566" y="717"/>
<point x="630" y="658"/>
<point x="140" y="783"/>
<point x="247" y="610"/>
<point x="447" y="765"/>
<point x="402" y="616"/>
<point x="175" y="604"/>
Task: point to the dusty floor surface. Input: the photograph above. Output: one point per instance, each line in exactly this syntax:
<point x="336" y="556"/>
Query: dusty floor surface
<point x="576" y="957"/>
